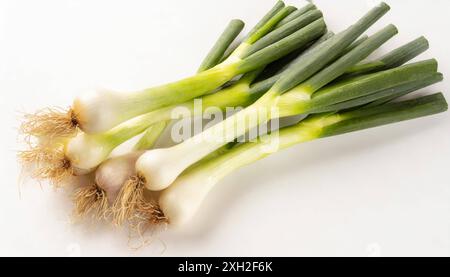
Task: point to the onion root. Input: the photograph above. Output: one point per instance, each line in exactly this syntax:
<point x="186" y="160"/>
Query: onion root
<point x="91" y="199"/>
<point x="132" y="206"/>
<point x="49" y="163"/>
<point x="50" y="123"/>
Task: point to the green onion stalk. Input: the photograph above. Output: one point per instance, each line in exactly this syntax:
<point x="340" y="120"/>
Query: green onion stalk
<point x="181" y="201"/>
<point x="158" y="169"/>
<point x="101" y="110"/>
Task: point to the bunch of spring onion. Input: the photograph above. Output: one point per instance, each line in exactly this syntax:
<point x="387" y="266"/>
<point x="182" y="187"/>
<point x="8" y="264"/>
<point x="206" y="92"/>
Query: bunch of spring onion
<point x="287" y="65"/>
<point x="70" y="154"/>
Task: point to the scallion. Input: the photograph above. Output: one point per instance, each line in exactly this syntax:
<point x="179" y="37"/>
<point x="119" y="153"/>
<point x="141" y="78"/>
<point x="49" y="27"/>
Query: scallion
<point x="286" y="66"/>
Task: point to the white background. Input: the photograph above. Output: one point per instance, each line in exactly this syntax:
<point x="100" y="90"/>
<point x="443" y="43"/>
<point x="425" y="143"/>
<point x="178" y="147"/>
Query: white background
<point x="379" y="192"/>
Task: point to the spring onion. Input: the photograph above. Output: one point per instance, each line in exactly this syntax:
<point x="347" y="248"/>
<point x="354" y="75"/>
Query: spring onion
<point x="287" y="65"/>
